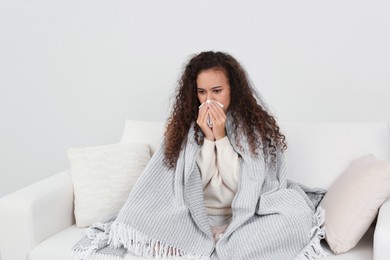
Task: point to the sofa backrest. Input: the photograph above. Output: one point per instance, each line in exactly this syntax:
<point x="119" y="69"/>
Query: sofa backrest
<point x="316" y="154"/>
<point x="144" y="132"/>
<point x="319" y="152"/>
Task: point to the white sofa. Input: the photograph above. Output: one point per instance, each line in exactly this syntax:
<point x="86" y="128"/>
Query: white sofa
<point x="37" y="222"/>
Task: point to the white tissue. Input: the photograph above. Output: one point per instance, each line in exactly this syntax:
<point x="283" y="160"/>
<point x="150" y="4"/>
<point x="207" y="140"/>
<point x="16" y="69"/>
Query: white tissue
<point x="208" y="101"/>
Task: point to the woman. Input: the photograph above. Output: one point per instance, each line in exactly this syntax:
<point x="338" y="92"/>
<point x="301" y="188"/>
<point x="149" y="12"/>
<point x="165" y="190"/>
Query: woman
<point x="218" y="77"/>
<point x="216" y="188"/>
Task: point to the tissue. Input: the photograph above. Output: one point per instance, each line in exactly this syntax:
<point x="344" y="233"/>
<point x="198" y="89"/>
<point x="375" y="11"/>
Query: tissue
<point x="208" y="101"/>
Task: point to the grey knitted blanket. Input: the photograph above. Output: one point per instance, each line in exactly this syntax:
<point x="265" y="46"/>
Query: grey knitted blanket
<point x="165" y="215"/>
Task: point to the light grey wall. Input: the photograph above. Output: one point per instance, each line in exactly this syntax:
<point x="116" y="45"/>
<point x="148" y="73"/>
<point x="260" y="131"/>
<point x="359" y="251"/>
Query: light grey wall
<point x="71" y="72"/>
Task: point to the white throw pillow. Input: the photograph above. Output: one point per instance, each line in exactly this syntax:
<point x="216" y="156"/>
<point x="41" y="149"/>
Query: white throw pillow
<point x="102" y="178"/>
<point x="352" y="202"/>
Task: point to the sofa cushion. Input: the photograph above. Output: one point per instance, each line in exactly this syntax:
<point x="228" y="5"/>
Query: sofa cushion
<point x="59" y="246"/>
<point x="102" y="178"/>
<point x="362" y="251"/>
<point x="352" y="202"/>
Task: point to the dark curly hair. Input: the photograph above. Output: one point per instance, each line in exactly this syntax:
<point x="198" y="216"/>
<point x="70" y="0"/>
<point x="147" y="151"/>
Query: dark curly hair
<point x="246" y="109"/>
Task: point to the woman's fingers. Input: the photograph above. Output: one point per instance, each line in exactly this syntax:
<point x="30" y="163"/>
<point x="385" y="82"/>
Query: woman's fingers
<point x="217" y="113"/>
<point x="218" y="119"/>
<point x="202" y="117"/>
<point x="202" y="122"/>
<point x="212" y="112"/>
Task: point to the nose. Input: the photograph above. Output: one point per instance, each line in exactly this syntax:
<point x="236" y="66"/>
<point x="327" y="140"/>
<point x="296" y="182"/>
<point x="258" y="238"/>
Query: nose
<point x="209" y="96"/>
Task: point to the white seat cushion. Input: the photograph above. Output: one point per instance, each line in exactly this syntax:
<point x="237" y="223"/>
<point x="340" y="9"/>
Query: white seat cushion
<point x="362" y="251"/>
<point x="58" y="247"/>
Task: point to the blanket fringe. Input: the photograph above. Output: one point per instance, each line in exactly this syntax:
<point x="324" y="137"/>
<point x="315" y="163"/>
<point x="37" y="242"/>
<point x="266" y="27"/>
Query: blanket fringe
<point x="98" y="235"/>
<point x="314" y="249"/>
<point x="140" y="244"/>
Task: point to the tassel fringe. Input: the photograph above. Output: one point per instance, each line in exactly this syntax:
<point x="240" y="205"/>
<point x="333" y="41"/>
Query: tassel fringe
<point x="121" y="236"/>
<point x="97" y="235"/>
<point x="140" y="244"/>
<point x="314" y="249"/>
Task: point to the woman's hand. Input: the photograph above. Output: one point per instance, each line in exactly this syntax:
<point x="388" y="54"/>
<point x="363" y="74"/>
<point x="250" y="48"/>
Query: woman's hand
<point x="202" y="122"/>
<point x="218" y="118"/>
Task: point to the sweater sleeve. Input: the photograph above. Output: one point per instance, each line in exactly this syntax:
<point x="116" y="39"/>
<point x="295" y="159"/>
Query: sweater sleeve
<point x="227" y="163"/>
<point x="207" y="161"/>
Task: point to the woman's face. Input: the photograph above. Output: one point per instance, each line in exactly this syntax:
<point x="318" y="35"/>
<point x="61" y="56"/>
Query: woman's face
<point x="213" y="84"/>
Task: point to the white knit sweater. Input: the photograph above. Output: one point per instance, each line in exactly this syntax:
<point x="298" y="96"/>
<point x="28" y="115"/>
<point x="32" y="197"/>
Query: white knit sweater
<point x="218" y="164"/>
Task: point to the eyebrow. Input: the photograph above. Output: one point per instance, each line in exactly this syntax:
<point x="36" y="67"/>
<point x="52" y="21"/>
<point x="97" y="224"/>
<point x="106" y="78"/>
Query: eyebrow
<point x="212" y="87"/>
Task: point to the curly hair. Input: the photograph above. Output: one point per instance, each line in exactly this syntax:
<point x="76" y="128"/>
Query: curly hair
<point x="247" y="111"/>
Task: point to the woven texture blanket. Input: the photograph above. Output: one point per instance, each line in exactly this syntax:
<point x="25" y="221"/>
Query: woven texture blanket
<point x="165" y="214"/>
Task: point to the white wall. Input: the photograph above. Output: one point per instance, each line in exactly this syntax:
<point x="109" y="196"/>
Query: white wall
<point x="72" y="71"/>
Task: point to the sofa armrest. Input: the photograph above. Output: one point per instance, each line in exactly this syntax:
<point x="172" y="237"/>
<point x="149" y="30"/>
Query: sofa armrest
<point x="382" y="233"/>
<point x="32" y="214"/>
